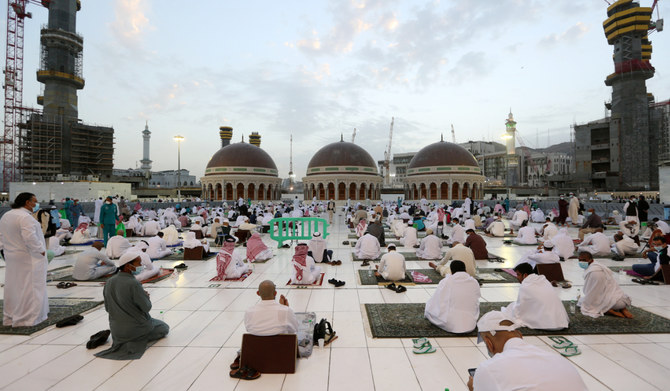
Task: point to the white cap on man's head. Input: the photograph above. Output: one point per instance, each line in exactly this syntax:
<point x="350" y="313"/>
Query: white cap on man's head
<point x="491" y="322"/>
<point x="125" y="258"/>
<point x="548" y="244"/>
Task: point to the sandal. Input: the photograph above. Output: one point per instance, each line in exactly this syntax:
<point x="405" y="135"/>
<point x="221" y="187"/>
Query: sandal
<point x="391" y="286"/>
<point x="61" y="285"/>
<point x="245" y="373"/>
<point x="400" y="289"/>
<point x="98" y="339"/>
<point x="69" y="321"/>
<point x="560" y="342"/>
<point x="236" y="363"/>
<point x="181" y="266"/>
<point x="570" y="351"/>
<point x="69" y="285"/>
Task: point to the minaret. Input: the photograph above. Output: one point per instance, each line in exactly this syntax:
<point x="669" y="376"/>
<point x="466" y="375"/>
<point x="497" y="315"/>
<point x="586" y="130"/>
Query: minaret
<point x="61" y="61"/>
<point x="291" y="175"/>
<point x="226" y="133"/>
<point x="255" y="139"/>
<point x="146" y="135"/>
<point x="512" y="159"/>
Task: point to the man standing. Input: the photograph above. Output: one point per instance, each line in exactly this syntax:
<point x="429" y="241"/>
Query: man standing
<point x="331" y="210"/>
<point x="98" y="207"/>
<point x="25" y="294"/>
<point x="630" y="209"/>
<point x="573" y="210"/>
<point x="562" y="211"/>
<point x="108" y="216"/>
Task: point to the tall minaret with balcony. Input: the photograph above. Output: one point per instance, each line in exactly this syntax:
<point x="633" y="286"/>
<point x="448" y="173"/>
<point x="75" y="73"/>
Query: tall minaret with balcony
<point x="146" y="162"/>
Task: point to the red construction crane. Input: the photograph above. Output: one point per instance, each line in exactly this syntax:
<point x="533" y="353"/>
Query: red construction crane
<point x="13" y="85"/>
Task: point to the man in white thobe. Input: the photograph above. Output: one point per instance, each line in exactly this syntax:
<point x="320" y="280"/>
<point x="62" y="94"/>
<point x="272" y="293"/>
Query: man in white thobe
<point x="537" y="306"/>
<point x="151" y="228"/>
<point x="456" y="253"/>
<point x="158" y="247"/>
<point x="148" y="268"/>
<point x="517" y="219"/>
<point x="25" y="293"/>
<point x="454" y="307"/>
<point x="319" y="248"/>
<point x="431" y="246"/>
<point x="496" y="228"/>
<point x="549" y="230"/>
<point x="629" y="227"/>
<point x="624" y="245"/>
<point x="564" y="246"/>
<point x="392" y="265"/>
<point x="526" y="235"/>
<point x="602" y="294"/>
<point x="96" y="214"/>
<point x="409" y="237"/>
<point x="170" y="235"/>
<point x="457" y="233"/>
<point x="573" y="209"/>
<point x="542" y="255"/>
<point x="598" y="244"/>
<point x="537" y="216"/>
<point x="367" y="247"/>
<point x="117" y="245"/>
<point x="398" y="228"/>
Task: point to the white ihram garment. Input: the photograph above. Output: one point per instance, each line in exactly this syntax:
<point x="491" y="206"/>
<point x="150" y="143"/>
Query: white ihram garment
<point x="454" y="307"/>
<point x="537" y="306"/>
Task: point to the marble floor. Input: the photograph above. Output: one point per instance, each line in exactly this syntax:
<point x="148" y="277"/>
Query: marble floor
<point x="207" y="324"/>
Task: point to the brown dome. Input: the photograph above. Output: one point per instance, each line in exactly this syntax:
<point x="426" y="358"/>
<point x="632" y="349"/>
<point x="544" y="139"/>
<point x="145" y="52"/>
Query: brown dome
<point x="442" y="153"/>
<point x="241" y="155"/>
<point x="341" y="154"/>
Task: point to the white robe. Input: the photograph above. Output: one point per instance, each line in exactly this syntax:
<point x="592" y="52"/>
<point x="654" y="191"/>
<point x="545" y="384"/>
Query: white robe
<point x="537" y="306"/>
<point x="116" y="246"/>
<point x="541" y="256"/>
<point x="367" y="247"/>
<point x="431" y="248"/>
<point x="398" y="227"/>
<point x="191" y="242"/>
<point x="96" y="214"/>
<point x="170" y="235"/>
<point x="150" y="269"/>
<point x="54" y="245"/>
<point x="317" y="246"/>
<point x="459" y="253"/>
<point x="457" y="234"/>
<point x="454" y="307"/>
<point x="79" y="237"/>
<point x="526" y="235"/>
<point x="519" y="217"/>
<point x="392" y="266"/>
<point x="633" y="231"/>
<point x="236" y="267"/>
<point x="563" y="244"/>
<point x="409" y="238"/>
<point x="537" y="216"/>
<point x="469" y="224"/>
<point x="309" y="274"/>
<point x="151" y="228"/>
<point x="497" y="228"/>
<point x="598" y="244"/>
<point x="25" y="293"/>
<point x="625" y="246"/>
<point x="549" y="231"/>
<point x="157" y="248"/>
<point x="601" y="291"/>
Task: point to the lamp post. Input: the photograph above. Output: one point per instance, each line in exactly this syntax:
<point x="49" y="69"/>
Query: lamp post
<point x="178" y="139"/>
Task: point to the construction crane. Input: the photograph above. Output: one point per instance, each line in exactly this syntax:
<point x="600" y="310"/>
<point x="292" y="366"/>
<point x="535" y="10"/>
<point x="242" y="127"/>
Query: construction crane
<point x="353" y="136"/>
<point x="13" y="85"/>
<point x="453" y="134"/>
<point x="387" y="156"/>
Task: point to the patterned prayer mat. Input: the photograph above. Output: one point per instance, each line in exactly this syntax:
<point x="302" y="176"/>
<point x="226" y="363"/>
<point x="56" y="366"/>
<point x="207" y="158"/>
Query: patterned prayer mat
<point x="239" y="279"/>
<point x="406" y="320"/>
<point x="90" y="242"/>
<point x="485" y="276"/>
<point x="59" y="309"/>
<point x="318" y="282"/>
<point x="163" y="274"/>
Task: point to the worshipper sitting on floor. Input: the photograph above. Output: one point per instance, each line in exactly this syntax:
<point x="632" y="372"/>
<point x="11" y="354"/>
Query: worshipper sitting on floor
<point x="519" y="217"/>
<point x="117" y="245"/>
<point x="377" y="230"/>
<point x="477" y="244"/>
<point x="128" y="306"/>
<point x="457" y="252"/>
<point x="367" y="248"/>
<point x="537" y="306"/>
<point x="392" y="265"/>
<point x="244" y="230"/>
<point x="197" y="227"/>
<point x="158" y="247"/>
<point x="147" y="268"/>
<point x="497" y="227"/>
<point x="469" y="224"/>
<point x="361" y="227"/>
<point x="53" y="245"/>
<point x="631" y="228"/>
<point x="454" y="307"/>
<point x="537" y="216"/>
<point x="229" y="263"/>
<point x="257" y="251"/>
<point x="549" y="230"/>
<point x="151" y="228"/>
<point x="457" y="233"/>
<point x="170" y="235"/>
<point x="431" y="246"/>
<point x="540" y="369"/>
<point x="658" y="255"/>
<point x="184" y="220"/>
<point x="409" y="237"/>
<point x="564" y="247"/>
<point x="213" y="228"/>
<point x="191" y="242"/>
<point x="526" y="234"/>
<point x="267" y="318"/>
<point x="592" y="224"/>
<point x="602" y="294"/>
<point x="623" y="245"/>
<point x="92" y="264"/>
<point x="655" y="224"/>
<point x="81" y="234"/>
<point x="305" y="271"/>
<point x="318" y="247"/>
<point x="544" y="254"/>
<point x="598" y="244"/>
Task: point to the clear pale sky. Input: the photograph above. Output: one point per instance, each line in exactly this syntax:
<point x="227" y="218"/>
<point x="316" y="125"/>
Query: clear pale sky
<point x="316" y="69"/>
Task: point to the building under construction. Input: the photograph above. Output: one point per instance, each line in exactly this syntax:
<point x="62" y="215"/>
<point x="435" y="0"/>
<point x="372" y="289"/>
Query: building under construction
<point x="56" y="143"/>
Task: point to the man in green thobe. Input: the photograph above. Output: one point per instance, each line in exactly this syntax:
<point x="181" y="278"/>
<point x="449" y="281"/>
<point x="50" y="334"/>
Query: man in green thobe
<point x="128" y="306"/>
<point x="108" y="215"/>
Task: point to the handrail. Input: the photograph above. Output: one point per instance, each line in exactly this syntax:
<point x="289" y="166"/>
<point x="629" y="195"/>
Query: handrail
<point x="302" y="231"/>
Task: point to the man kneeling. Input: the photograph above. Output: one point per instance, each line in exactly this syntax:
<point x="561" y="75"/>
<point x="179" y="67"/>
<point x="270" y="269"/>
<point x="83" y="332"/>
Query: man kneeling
<point x="602" y="294"/>
<point x="454" y="307"/>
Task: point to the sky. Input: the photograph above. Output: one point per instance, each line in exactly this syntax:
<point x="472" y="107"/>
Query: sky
<point x="318" y="69"/>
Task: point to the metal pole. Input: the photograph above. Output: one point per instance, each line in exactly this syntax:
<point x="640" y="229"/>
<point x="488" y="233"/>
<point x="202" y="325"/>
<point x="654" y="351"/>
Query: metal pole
<point x="179" y="170"/>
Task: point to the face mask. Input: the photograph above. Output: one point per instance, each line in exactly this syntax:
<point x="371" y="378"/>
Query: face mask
<point x="583" y="265"/>
<point x="36" y="207"/>
<point x="658" y="248"/>
<point x="138" y="270"/>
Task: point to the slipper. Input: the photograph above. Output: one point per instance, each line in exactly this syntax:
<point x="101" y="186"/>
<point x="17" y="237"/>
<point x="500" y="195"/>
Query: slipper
<point x="419" y="342"/>
<point x="332" y="281"/>
<point x="181" y="266"/>
<point x="566" y="285"/>
<point x="245" y="373"/>
<point x="560" y="342"/>
<point x="570" y="351"/>
<point x="391" y="286"/>
<point x="98" y="339"/>
<point x="427" y="348"/>
<point x="339" y="284"/>
<point x="400" y="289"/>
<point x="61" y="285"/>
<point x="338" y="262"/>
<point x="365" y="263"/>
<point x="236" y="363"/>
<point x="70" y="321"/>
<point x="286" y="246"/>
<point x="345" y="242"/>
<point x="69" y="285"/>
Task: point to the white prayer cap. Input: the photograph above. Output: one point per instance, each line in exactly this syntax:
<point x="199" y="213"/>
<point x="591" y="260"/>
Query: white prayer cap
<point x="429" y="231"/>
<point x="141" y="245"/>
<point x="391" y="246"/>
<point x="491" y="322"/>
<point x="125" y="258"/>
<point x="317" y="234"/>
<point x="548" y="244"/>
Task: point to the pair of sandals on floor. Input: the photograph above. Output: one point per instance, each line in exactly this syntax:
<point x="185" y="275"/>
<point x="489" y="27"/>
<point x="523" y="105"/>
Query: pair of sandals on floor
<point x="65" y="285"/>
<point x="396" y="288"/>
<point x="243" y="373"/>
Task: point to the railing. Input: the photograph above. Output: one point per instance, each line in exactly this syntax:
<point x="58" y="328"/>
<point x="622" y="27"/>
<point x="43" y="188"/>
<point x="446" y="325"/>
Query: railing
<point x="296" y="228"/>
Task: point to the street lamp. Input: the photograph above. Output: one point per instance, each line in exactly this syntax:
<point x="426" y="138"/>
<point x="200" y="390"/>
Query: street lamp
<point x="179" y="139"/>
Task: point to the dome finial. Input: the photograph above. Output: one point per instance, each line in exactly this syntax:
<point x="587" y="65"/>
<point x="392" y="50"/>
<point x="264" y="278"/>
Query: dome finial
<point x="441" y="137"/>
<point x="341" y="136"/>
<point x="242" y="138"/>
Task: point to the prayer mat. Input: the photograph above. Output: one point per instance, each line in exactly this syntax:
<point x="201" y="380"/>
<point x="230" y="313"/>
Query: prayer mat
<point x="263" y="261"/>
<point x="406" y="320"/>
<point x="59" y="309"/>
<point x="240" y="279"/>
<point x="509" y="243"/>
<point x="179" y="243"/>
<point x="611" y="256"/>
<point x="162" y="274"/>
<point x="318" y="282"/>
<point x="495" y="258"/>
<point x="175" y="256"/>
<point x="368" y="277"/>
<point x="495" y="276"/>
<point x="626" y="269"/>
<point x="408" y="257"/>
<point x="69" y="252"/>
<point x="90" y="242"/>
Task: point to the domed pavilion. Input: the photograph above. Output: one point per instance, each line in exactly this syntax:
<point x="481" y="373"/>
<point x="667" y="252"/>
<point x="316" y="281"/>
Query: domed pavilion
<point x="241" y="170"/>
<point x="443" y="171"/>
<point x="341" y="171"/>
